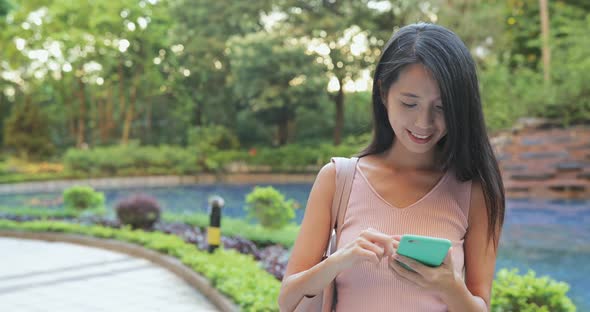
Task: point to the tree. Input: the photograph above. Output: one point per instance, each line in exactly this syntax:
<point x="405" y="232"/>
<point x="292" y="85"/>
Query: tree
<point x="27" y="131"/>
<point x="200" y="34"/>
<point x="86" y="50"/>
<point x="274" y="76"/>
<point x="349" y="35"/>
<point x="330" y="26"/>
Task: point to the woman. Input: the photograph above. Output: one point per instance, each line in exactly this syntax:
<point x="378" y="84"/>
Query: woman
<point x="429" y="170"/>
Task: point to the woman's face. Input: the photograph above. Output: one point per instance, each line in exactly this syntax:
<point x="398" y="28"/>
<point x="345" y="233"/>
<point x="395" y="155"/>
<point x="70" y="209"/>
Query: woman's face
<point x="415" y="110"/>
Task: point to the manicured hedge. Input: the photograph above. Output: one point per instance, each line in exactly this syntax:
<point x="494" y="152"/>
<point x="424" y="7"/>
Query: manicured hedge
<point x="229" y="226"/>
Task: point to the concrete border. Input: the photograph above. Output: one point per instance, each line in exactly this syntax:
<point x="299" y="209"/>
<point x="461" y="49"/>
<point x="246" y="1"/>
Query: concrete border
<point x="170" y="263"/>
<point x="154" y="181"/>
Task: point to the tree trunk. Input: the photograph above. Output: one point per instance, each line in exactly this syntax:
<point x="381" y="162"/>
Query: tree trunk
<point x="129" y="115"/>
<point x="68" y="108"/>
<point x="546" y="51"/>
<point x="122" y="104"/>
<point x="101" y="120"/>
<point x="283" y="128"/>
<point x="339" y="122"/>
<point x="80" y="138"/>
<point x="148" y="122"/>
<point x="109" y="122"/>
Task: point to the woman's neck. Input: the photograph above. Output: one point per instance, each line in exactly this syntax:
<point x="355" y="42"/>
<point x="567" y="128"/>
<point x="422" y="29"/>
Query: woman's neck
<point x="401" y="159"/>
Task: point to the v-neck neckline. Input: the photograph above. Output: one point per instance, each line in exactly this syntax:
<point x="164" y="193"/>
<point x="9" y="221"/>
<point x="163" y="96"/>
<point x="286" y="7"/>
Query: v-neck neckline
<point x="432" y="190"/>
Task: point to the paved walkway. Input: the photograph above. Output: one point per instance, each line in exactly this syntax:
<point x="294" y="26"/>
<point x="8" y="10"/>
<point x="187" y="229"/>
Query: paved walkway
<point x="43" y="276"/>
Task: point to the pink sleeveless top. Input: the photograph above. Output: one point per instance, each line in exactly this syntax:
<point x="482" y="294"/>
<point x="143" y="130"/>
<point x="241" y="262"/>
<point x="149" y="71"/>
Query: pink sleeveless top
<point x="442" y="212"/>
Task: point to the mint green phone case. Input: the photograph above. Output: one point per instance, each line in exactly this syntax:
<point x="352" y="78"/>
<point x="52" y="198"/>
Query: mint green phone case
<point x="430" y="251"/>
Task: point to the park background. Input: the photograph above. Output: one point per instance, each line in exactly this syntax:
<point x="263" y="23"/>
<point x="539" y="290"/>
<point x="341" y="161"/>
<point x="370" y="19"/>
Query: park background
<point x="228" y="95"/>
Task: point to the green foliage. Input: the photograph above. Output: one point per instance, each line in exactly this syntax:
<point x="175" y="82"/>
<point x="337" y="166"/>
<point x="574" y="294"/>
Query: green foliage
<point x="274" y="77"/>
<point x="42" y="213"/>
<point x="269" y="207"/>
<point x="260" y="235"/>
<point x="5" y="7"/>
<point x="303" y="158"/>
<point x="237" y="276"/>
<point x="203" y="28"/>
<point x="513" y="86"/>
<point x="215" y="146"/>
<point x="510" y="94"/>
<point x="266" y="82"/>
<point x="134" y="160"/>
<point x="83" y="198"/>
<point x="131" y="160"/>
<point x="528" y="293"/>
<point x="570" y="101"/>
<point x="211" y="139"/>
<point x="27" y="131"/>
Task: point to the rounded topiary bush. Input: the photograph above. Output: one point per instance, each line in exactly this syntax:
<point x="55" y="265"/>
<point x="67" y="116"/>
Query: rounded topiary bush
<point x="269" y="207"/>
<point x="81" y="198"/>
<point x="528" y="293"/>
<point x="140" y="211"/>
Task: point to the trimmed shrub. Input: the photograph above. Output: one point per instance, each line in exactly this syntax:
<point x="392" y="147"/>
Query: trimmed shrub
<point x="83" y="198"/>
<point x="131" y="159"/>
<point x="141" y="211"/>
<point x="269" y="207"/>
<point x="528" y="293"/>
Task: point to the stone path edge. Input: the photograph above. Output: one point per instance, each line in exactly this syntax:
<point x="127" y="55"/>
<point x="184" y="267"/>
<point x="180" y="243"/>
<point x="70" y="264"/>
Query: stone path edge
<point x="172" y="264"/>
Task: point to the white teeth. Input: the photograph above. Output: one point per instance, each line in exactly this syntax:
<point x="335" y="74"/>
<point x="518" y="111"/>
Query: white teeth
<point x="419" y="136"/>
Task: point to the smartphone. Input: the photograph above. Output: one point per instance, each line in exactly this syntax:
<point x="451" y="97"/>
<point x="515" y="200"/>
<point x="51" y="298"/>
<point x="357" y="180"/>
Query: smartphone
<point x="428" y="250"/>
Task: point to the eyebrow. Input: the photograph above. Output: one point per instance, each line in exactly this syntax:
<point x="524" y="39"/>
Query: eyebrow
<point x="412" y="95"/>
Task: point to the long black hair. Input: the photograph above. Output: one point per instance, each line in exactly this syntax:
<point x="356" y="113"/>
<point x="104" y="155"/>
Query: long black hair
<point x="466" y="147"/>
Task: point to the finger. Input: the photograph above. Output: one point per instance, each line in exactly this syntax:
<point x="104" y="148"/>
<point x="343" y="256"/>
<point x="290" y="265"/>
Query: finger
<point x="376" y="249"/>
<point x="418" y="267"/>
<point x="384" y="240"/>
<point x="404" y="274"/>
<point x="369" y="255"/>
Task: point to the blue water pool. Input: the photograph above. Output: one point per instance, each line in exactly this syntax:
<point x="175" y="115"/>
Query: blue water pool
<point x="550" y="237"/>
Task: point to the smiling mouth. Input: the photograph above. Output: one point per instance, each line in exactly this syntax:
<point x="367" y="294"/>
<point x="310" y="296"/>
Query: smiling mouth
<point x="421" y="139"/>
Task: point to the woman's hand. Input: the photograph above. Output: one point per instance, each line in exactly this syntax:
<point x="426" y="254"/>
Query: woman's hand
<point x="440" y="279"/>
<point x="371" y="245"/>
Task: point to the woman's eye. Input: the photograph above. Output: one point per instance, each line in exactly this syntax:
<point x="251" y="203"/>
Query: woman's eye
<point x="440" y="108"/>
<point x="408" y="105"/>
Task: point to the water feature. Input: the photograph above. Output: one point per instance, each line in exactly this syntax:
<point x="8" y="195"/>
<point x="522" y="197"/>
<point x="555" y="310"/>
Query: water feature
<point x="550" y="237"/>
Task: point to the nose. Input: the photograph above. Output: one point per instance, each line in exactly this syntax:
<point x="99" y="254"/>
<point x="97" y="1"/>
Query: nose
<point x="425" y="119"/>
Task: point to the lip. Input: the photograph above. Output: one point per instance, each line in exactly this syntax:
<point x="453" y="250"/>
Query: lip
<point x="417" y="140"/>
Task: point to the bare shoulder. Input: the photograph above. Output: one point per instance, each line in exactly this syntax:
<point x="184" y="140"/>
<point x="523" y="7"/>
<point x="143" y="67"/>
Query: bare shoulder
<point x="328" y="172"/>
<point x="314" y="233"/>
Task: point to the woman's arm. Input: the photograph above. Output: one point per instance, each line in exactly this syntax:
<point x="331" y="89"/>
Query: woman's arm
<point x="302" y="276"/>
<point x="480" y="260"/>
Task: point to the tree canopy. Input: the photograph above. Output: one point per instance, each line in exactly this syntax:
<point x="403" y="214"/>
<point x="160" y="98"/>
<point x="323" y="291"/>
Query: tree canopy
<point x="103" y="73"/>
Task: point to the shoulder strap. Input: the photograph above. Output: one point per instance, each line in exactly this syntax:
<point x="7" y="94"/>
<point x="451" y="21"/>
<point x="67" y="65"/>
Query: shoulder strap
<point x="345" y="170"/>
